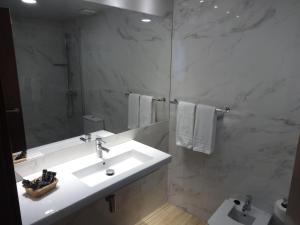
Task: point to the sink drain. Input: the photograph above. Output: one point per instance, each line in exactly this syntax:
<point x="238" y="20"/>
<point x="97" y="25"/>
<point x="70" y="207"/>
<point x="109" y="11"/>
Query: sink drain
<point x="110" y="172"/>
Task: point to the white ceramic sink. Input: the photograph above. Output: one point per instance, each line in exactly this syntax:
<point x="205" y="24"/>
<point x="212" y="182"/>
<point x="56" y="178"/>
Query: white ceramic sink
<point x="230" y="213"/>
<point x="82" y="177"/>
<point x="96" y="173"/>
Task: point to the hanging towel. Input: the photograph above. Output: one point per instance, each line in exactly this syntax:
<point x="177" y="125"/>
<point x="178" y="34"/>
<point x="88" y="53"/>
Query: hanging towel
<point x="205" y="129"/>
<point x="185" y="124"/>
<point x="133" y="111"/>
<point x="146" y="110"/>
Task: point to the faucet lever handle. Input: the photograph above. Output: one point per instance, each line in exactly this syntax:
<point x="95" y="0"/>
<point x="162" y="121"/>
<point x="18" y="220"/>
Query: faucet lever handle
<point x="100" y="141"/>
<point x="249" y="197"/>
<point x="88" y="136"/>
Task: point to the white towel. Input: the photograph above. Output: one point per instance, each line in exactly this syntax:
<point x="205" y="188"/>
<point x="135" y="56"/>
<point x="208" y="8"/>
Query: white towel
<point x="146" y="110"/>
<point x="133" y="111"/>
<point x="205" y="129"/>
<point x="185" y="124"/>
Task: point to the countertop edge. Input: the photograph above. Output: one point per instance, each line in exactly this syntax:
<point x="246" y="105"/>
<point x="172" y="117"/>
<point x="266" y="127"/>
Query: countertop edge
<point x="102" y="193"/>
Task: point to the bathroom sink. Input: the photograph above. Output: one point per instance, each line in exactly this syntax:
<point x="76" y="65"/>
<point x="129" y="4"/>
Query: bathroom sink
<point x="241" y="217"/>
<point x="120" y="164"/>
<point x="230" y="213"/>
<point x="84" y="179"/>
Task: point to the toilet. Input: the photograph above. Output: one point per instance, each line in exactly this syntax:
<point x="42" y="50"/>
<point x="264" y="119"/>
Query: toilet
<point x="92" y="123"/>
<point x="279" y="212"/>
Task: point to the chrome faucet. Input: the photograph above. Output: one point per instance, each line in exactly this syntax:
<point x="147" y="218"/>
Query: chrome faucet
<point x="86" y="138"/>
<point x="100" y="148"/>
<point x="248" y="202"/>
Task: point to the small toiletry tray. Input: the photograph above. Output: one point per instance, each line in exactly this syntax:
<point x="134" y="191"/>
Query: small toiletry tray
<point x="18" y="160"/>
<point x="41" y="191"/>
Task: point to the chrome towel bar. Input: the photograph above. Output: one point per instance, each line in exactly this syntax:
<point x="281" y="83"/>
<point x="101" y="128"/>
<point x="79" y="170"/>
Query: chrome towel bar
<point x="154" y="99"/>
<point x="218" y="110"/>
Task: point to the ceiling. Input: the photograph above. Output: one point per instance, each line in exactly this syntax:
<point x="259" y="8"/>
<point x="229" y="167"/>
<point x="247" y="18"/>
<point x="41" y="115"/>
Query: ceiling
<point x="68" y="9"/>
<point x="153" y="7"/>
<point x="49" y="9"/>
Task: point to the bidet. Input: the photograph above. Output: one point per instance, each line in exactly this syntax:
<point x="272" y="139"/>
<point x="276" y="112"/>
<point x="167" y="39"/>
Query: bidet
<point x="236" y="212"/>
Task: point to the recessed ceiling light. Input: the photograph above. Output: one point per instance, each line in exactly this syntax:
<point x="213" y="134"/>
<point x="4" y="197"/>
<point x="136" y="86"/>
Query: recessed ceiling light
<point x="146" y="20"/>
<point x="227" y="12"/>
<point x="29" y="1"/>
<point x="201" y="1"/>
<point x="237" y="16"/>
<point x="215" y="6"/>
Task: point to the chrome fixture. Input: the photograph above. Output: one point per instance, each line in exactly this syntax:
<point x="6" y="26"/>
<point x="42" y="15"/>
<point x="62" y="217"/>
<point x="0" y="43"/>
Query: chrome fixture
<point x="163" y="99"/>
<point x="247" y="205"/>
<point x="110" y="172"/>
<point x="100" y="148"/>
<point x="111" y="199"/>
<point x="70" y="92"/>
<point x="86" y="138"/>
<point x="174" y="101"/>
<point x="218" y="110"/>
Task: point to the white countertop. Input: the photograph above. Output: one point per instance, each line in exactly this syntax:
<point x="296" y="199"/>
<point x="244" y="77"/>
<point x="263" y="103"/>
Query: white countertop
<point x="72" y="194"/>
<point x="43" y="150"/>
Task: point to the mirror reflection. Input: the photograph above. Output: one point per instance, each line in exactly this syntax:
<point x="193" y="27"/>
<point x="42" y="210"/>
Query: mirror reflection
<point x="86" y="66"/>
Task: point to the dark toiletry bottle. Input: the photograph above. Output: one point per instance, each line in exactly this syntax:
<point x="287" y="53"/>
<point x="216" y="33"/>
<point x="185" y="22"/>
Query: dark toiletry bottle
<point x="44" y="175"/>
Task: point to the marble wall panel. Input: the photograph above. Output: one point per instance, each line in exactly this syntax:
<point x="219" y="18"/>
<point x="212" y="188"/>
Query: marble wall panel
<point x="39" y="45"/>
<point x="244" y="54"/>
<point x="119" y="53"/>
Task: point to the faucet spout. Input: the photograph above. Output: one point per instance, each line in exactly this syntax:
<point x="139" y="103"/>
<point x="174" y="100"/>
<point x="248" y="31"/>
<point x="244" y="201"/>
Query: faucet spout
<point x="100" y="148"/>
<point x="248" y="202"/>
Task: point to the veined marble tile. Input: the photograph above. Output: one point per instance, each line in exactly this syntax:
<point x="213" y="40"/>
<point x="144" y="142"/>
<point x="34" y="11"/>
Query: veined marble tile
<point x="43" y="86"/>
<point x="242" y="54"/>
<point x="119" y="53"/>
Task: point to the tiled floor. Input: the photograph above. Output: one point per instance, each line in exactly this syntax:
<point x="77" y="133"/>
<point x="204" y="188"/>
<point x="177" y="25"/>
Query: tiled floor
<point x="170" y="215"/>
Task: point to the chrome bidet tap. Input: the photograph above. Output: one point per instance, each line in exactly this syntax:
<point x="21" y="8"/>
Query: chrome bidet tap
<point x="248" y="203"/>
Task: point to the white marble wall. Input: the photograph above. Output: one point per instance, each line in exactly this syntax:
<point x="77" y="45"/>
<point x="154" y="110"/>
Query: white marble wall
<point x="119" y="53"/>
<point x="40" y="44"/>
<point x="245" y="54"/>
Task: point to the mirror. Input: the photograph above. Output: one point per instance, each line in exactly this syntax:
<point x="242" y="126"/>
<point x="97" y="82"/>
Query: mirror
<point x="78" y="61"/>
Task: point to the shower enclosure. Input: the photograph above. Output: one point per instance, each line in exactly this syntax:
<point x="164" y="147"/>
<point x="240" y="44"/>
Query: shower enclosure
<point x="50" y="80"/>
<point x="70" y="93"/>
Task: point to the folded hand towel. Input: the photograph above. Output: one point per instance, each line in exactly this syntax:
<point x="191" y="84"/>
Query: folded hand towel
<point x="205" y="129"/>
<point x="133" y="111"/>
<point x="185" y="124"/>
<point x="146" y="110"/>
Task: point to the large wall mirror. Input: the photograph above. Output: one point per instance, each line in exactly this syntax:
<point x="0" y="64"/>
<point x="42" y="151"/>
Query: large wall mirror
<point x="79" y="60"/>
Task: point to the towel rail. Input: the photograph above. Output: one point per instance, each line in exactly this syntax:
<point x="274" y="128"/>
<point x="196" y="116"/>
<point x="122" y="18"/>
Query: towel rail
<point x="218" y="110"/>
<point x="163" y="99"/>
